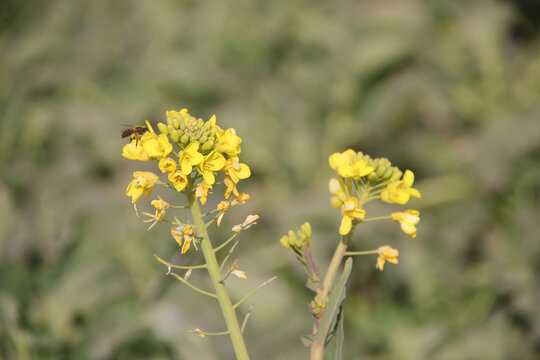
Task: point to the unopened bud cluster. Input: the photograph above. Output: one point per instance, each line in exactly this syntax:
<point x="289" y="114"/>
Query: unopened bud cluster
<point x="184" y="128"/>
<point x="299" y="239"/>
<point x="318" y="306"/>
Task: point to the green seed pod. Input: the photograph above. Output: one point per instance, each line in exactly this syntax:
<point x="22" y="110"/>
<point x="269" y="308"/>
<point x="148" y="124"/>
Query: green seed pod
<point x="184" y="139"/>
<point x="284" y="241"/>
<point x="163" y="128"/>
<point x="207" y="145"/>
<point x="175" y="136"/>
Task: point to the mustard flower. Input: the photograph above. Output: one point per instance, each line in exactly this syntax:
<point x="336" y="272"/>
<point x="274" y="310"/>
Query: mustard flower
<point x="250" y="220"/>
<point x="157" y="146"/>
<point x="386" y="253"/>
<point x="190" y="156"/>
<point x="161" y="207"/>
<point x="228" y="142"/>
<point x="211" y="163"/>
<point x="350" y="211"/>
<point x="201" y="191"/>
<point x="135" y="151"/>
<point x="337" y="160"/>
<point x="349" y="164"/>
<point x="399" y="192"/>
<point x="167" y="165"/>
<point x="407" y="220"/>
<point x="236" y="170"/>
<point x="337" y="188"/>
<point x="223" y="207"/>
<point x="240" y="199"/>
<point x="143" y="182"/>
<point x="231" y="187"/>
<point x="184" y="236"/>
<point x="178" y="179"/>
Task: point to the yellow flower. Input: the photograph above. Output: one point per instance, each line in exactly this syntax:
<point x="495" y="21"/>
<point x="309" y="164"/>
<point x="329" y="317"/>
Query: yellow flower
<point x="167" y="165"/>
<point x="157" y="146"/>
<point x="143" y="182"/>
<point x="349" y="164"/>
<point x="161" y="207"/>
<point x="223" y="207"/>
<point x="407" y="220"/>
<point x="185" y="233"/>
<point x="236" y="170"/>
<point x="231" y="187"/>
<point x="178" y="179"/>
<point x="211" y="163"/>
<point x="240" y="199"/>
<point x="189" y="157"/>
<point x="135" y="151"/>
<point x="386" y="253"/>
<point x="350" y="211"/>
<point x="250" y="220"/>
<point x="201" y="191"/>
<point x="400" y="191"/>
<point x="228" y="142"/>
<point x="337" y="188"/>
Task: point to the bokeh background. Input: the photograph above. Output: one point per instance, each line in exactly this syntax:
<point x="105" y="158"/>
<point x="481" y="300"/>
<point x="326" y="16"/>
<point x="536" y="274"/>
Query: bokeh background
<point x="449" y="89"/>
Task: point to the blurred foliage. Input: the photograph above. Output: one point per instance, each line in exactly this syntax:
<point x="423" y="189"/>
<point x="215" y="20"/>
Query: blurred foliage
<point x="449" y="89"/>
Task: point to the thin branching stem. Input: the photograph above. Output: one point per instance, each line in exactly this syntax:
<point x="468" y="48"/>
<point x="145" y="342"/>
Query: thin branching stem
<point x="168" y="264"/>
<point x="254" y="291"/>
<point x="225" y="242"/>
<point x="246" y="318"/>
<point x="204" y="292"/>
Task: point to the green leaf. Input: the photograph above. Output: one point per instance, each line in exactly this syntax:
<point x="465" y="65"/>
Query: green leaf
<point x="332" y="349"/>
<point x="331" y="326"/>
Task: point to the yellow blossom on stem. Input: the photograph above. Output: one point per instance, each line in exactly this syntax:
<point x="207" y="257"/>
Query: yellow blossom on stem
<point x="211" y="163"/>
<point x="350" y="211"/>
<point x="143" y="182"/>
<point x="240" y="199"/>
<point x="338" y="160"/>
<point x="157" y="146"/>
<point x="386" y="253"/>
<point x="189" y="157"/>
<point x="228" y="142"/>
<point x="349" y="164"/>
<point x="183" y="235"/>
<point x="167" y="165"/>
<point x="231" y="187"/>
<point x="399" y="192"/>
<point x="236" y="170"/>
<point x="161" y="207"/>
<point x="201" y="191"/>
<point x="407" y="220"/>
<point x="178" y="179"/>
<point x="135" y="151"/>
<point x="337" y="188"/>
<point x="223" y="207"/>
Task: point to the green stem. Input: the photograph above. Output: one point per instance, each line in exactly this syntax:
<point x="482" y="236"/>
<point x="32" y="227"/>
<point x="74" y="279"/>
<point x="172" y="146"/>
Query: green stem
<point x="221" y="292"/>
<point x="367" y="252"/>
<point x="377" y="218"/>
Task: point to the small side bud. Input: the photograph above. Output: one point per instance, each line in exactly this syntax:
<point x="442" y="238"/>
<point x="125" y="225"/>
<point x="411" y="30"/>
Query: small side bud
<point x="207" y="145"/>
<point x="284" y="241"/>
<point x="163" y="128"/>
<point x="292" y="238"/>
<point x="306" y="228"/>
<point x="184" y="139"/>
<point x="176" y="123"/>
<point x="175" y="136"/>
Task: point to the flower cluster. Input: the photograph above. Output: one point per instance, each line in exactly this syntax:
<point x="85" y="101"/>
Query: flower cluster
<point x="204" y="152"/>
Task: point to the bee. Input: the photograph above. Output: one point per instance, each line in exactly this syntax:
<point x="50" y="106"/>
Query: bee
<point x="135" y="132"/>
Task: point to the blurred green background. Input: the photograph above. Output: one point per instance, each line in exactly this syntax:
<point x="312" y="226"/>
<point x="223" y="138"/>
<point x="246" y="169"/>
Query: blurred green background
<point x="449" y="89"/>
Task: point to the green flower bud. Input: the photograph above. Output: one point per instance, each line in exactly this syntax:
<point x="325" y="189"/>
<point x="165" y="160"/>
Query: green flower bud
<point x="381" y="171"/>
<point x="203" y="139"/>
<point x="184" y="139"/>
<point x="292" y="238"/>
<point x="388" y="173"/>
<point x="396" y="174"/>
<point x="182" y="126"/>
<point x="169" y="121"/>
<point x="284" y="241"/>
<point x="175" y="135"/>
<point x="163" y="128"/>
<point x="207" y="145"/>
<point x="170" y="129"/>
<point x="372" y="177"/>
<point x="306" y="229"/>
<point x="200" y="123"/>
<point x="176" y="123"/>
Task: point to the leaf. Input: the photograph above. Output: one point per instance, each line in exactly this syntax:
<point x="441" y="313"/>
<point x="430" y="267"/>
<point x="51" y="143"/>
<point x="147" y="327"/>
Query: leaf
<point x="331" y="326"/>
<point x="332" y="349"/>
